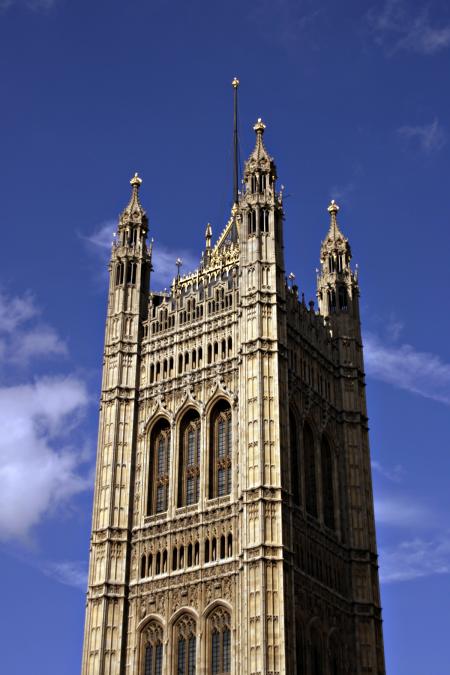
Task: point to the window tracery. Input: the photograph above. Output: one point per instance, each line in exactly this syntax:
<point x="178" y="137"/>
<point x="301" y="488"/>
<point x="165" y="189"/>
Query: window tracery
<point x="153" y="650"/>
<point x="159" y="468"/>
<point x="220" y="451"/>
<point x="186" y="645"/>
<point x="189" y="467"/>
<point x="310" y="470"/>
<point x="327" y="484"/>
<point x="220" y="626"/>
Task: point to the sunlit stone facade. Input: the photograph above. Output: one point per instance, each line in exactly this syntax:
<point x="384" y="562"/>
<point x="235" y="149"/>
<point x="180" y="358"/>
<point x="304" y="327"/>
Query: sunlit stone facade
<point x="233" y="526"/>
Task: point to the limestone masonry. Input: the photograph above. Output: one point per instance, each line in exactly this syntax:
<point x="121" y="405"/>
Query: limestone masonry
<point x="233" y="526"/>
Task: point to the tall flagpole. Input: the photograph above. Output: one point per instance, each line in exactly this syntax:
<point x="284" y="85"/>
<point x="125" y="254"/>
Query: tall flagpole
<point x="235" y="84"/>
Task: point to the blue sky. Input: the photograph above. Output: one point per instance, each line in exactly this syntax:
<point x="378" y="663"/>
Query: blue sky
<point x="356" y="100"/>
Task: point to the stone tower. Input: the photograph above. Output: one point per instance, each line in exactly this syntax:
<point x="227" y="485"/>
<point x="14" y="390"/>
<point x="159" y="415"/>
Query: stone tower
<point x="233" y="526"/>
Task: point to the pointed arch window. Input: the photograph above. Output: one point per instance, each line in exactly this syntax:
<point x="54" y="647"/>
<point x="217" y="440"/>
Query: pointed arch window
<point x="331" y="301"/>
<point x="220" y="627"/>
<point x="264" y="220"/>
<point x="189" y="465"/>
<point x="309" y="454"/>
<point x="327" y="484"/>
<point x="159" y="468"/>
<point x="186" y="645"/>
<point x="295" y="460"/>
<point x="251" y="221"/>
<point x="153" y="649"/>
<point x="220" y="450"/>
<point x="342" y="294"/>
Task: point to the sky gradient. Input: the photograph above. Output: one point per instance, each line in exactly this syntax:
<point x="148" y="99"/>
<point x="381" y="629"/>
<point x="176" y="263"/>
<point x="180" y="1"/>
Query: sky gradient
<point x="356" y="101"/>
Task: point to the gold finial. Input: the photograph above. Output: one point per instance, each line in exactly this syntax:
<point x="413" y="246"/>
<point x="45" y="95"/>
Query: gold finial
<point x="136" y="181"/>
<point x="259" y="126"/>
<point x="333" y="208"/>
<point x="235" y="83"/>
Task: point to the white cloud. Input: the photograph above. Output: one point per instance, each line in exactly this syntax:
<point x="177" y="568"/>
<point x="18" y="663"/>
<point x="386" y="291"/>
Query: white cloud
<point x="21" y="337"/>
<point x="39" y="469"/>
<point x="394" y="511"/>
<point x="395" y="28"/>
<point x="403" y="366"/>
<point x="163" y="258"/>
<point x="393" y="474"/>
<point x="414" y="559"/>
<point x="70" y="573"/>
<point x="430" y="137"/>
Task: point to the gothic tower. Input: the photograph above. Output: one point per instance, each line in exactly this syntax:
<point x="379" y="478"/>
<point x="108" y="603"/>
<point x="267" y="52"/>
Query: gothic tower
<point x="233" y="527"/>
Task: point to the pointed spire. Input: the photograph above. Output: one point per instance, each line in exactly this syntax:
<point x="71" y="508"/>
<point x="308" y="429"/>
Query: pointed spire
<point x="134" y="212"/>
<point x="260" y="161"/>
<point x="208" y="235"/>
<point x="333" y="211"/>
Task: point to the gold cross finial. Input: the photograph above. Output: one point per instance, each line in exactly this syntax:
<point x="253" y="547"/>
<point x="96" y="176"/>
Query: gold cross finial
<point x="259" y="126"/>
<point x="235" y="83"/>
<point x="136" y="181"/>
<point x="333" y="208"/>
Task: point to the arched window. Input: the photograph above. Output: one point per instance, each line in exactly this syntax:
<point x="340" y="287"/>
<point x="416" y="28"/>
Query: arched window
<point x="251" y="221"/>
<point x="309" y="455"/>
<point x="119" y="273"/>
<point x="332" y="301"/>
<point x="295" y="460"/>
<point x="264" y="220"/>
<point x="159" y="468"/>
<point x="316" y="657"/>
<point x="335" y="655"/>
<point x="186" y="646"/>
<point x="327" y="483"/>
<point x="299" y="649"/>
<point x="220" y="623"/>
<point x="343" y="304"/>
<point x="153" y="649"/>
<point x="220" y="451"/>
<point x="189" y="465"/>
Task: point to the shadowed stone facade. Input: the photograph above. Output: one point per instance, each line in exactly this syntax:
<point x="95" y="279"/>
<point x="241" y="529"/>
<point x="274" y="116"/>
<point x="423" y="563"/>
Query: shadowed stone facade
<point x="233" y="527"/>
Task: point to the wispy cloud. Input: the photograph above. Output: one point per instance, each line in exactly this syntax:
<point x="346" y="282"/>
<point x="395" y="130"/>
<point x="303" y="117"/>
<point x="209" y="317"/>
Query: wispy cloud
<point x="415" y="558"/>
<point x="35" y="5"/>
<point x="393" y="474"/>
<point x="284" y="21"/>
<point x="23" y="335"/>
<point x="40" y="468"/>
<point x="400" y="512"/>
<point x="429" y="137"/>
<point x="69" y="573"/>
<point x="163" y="259"/>
<point x="395" y="27"/>
<point x="403" y="366"/>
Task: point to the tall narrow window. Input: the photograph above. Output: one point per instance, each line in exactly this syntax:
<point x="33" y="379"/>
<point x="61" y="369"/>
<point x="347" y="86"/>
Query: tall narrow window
<point x="159" y="468"/>
<point x="264" y="220"/>
<point x="220" y="623"/>
<point x="251" y="221"/>
<point x="310" y="470"/>
<point x="186" y="646"/>
<point x="220" y="450"/>
<point x="153" y="652"/>
<point x="327" y="484"/>
<point x="316" y="658"/>
<point x="295" y="460"/>
<point x="189" y="465"/>
<point x="343" y="304"/>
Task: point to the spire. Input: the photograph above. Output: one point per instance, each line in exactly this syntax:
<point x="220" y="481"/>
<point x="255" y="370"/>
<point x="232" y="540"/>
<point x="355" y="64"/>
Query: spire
<point x="235" y="84"/>
<point x="260" y="164"/>
<point x="208" y="235"/>
<point x="336" y="283"/>
<point x="134" y="213"/>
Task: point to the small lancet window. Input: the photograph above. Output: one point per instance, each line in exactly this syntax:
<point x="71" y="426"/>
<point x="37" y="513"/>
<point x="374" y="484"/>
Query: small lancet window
<point x="331" y="301"/>
<point x="309" y="454"/>
<point x="119" y="273"/>
<point x="264" y="220"/>
<point x="251" y="221"/>
<point x="343" y="304"/>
